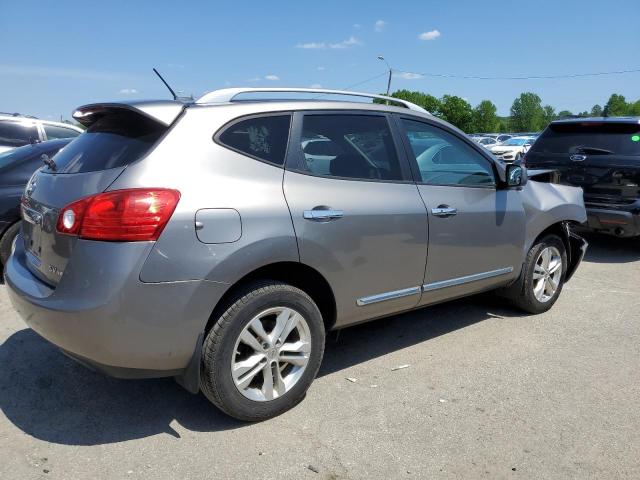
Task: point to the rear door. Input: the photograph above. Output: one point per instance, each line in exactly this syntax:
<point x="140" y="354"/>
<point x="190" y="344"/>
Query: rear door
<point x="358" y="216"/>
<point x="601" y="157"/>
<point x="476" y="232"/>
<point x="86" y="166"/>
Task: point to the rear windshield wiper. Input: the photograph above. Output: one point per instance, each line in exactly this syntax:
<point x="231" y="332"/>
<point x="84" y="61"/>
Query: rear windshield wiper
<point x="48" y="161"/>
<point x="594" y="150"/>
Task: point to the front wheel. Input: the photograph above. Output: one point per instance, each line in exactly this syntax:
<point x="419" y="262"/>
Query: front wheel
<point x="542" y="276"/>
<point x="263" y="352"/>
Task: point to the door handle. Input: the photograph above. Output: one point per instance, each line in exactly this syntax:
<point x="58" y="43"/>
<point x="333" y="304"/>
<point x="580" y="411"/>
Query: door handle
<point x="322" y="215"/>
<point x="444" y="211"/>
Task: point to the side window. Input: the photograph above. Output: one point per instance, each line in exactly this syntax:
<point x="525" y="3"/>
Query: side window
<point x="444" y="159"/>
<point x="53" y="132"/>
<point x="17" y="134"/>
<point x="264" y="138"/>
<point x="349" y="146"/>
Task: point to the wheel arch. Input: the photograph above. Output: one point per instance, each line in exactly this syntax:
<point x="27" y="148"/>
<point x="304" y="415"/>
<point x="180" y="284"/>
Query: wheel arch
<point x="296" y="274"/>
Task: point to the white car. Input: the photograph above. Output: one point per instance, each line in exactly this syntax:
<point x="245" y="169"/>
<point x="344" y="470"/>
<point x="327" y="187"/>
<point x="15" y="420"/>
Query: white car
<point x="512" y="149"/>
<point x="18" y="130"/>
<point x="485" y="141"/>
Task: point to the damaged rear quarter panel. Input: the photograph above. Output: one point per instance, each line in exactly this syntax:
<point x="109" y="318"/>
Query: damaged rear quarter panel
<point x="546" y="204"/>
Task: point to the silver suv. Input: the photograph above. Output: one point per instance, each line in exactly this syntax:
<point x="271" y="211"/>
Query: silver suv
<point x="18" y="130"/>
<point x="217" y="241"/>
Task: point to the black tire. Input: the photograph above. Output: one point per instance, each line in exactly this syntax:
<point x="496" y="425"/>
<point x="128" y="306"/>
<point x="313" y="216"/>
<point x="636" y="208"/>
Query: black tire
<point x="216" y="381"/>
<point x="6" y="242"/>
<point x="521" y="292"/>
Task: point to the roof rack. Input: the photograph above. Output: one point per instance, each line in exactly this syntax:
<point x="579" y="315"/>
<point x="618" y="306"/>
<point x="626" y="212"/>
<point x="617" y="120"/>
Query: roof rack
<point x="227" y="95"/>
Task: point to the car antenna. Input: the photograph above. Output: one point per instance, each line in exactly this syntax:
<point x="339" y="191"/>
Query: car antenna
<point x="175" y="97"/>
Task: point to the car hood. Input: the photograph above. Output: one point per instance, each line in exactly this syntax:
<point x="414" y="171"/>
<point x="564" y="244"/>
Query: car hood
<point x="505" y="148"/>
<point x="546" y="204"/>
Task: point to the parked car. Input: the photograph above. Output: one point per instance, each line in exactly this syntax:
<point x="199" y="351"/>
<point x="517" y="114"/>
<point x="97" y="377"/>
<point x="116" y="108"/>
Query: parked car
<point x="602" y="156"/>
<point x="198" y="240"/>
<point x="485" y="141"/>
<point x="16" y="167"/>
<point x="18" y="130"/>
<point x="513" y="149"/>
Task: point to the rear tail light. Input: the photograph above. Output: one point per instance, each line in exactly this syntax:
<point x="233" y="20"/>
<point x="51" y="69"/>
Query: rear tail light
<point x="119" y="216"/>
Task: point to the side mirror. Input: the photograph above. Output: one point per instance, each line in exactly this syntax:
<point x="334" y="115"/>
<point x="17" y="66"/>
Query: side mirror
<point x="516" y="175"/>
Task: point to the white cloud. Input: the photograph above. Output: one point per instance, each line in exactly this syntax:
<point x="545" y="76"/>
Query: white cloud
<point x="255" y="79"/>
<point x="407" y="75"/>
<point x="128" y="91"/>
<point x="380" y="25"/>
<point x="271" y="77"/>
<point x="357" y="26"/>
<point x="315" y="85"/>
<point x="349" y="42"/>
<point x="430" y="35"/>
<point x="320" y="69"/>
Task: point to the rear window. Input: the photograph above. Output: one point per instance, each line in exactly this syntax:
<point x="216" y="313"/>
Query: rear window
<point x="264" y="137"/>
<point x="590" y="138"/>
<point x="115" y="140"/>
<point x="17" y="134"/>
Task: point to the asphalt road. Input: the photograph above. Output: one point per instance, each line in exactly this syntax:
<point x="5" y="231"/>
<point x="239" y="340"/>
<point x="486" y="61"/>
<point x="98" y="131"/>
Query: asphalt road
<point x="489" y="393"/>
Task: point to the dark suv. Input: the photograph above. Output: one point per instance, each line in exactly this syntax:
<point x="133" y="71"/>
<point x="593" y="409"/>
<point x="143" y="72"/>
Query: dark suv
<point x="601" y="155"/>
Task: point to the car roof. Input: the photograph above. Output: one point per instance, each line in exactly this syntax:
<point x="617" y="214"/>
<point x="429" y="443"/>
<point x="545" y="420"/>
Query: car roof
<point x="29" y="119"/>
<point x="626" y="120"/>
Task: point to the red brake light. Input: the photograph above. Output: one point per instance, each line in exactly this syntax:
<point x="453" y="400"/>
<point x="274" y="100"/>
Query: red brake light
<point x="121" y="215"/>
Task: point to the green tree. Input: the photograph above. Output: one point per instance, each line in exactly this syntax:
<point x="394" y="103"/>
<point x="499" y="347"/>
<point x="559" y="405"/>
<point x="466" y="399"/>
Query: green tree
<point x="616" y="106"/>
<point x="634" y="108"/>
<point x="485" y="118"/>
<point x="596" y="111"/>
<point x="564" y="113"/>
<point x="527" y="114"/>
<point x="549" y="114"/>
<point x="458" y="111"/>
<point x="426" y="101"/>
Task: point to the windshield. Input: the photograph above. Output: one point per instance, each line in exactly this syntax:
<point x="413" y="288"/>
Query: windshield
<point x="517" y="142"/>
<point x="589" y="138"/>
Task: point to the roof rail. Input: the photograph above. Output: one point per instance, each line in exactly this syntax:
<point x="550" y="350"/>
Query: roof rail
<point x="227" y="95"/>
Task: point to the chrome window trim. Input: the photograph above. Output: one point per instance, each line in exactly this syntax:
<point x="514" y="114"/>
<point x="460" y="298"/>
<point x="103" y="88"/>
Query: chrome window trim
<point x="381" y="297"/>
<point x="466" y="279"/>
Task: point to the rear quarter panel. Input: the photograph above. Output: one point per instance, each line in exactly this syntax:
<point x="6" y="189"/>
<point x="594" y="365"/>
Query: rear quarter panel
<point x="211" y="176"/>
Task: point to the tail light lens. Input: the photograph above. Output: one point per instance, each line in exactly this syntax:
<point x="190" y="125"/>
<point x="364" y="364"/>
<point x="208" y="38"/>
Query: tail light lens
<point x="119" y="216"/>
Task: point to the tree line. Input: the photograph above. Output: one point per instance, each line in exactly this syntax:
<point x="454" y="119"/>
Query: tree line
<point x="527" y="112"/>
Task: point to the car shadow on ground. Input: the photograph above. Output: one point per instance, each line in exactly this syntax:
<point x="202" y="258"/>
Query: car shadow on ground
<point x="609" y="249"/>
<point x="52" y="398"/>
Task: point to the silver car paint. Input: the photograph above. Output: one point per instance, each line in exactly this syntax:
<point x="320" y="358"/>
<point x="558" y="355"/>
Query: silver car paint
<point x="144" y="305"/>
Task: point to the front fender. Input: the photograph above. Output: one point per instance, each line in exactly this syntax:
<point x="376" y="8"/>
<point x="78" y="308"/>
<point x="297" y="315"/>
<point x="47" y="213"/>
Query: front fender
<point x="547" y="204"/>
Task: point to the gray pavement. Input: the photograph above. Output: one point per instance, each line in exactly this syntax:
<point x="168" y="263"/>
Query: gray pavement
<point x="489" y="393"/>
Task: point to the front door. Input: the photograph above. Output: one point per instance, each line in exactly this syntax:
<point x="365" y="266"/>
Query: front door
<point x="358" y="216"/>
<point x="476" y="232"/>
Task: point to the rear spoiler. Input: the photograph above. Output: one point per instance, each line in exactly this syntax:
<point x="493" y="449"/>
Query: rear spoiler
<point x="161" y="111"/>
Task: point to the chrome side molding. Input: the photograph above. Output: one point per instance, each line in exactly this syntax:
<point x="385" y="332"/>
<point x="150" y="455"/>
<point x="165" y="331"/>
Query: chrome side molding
<point x="467" y="279"/>
<point x="388" y="296"/>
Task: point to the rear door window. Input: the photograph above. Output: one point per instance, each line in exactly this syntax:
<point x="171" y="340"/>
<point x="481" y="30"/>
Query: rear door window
<point x="263" y="137"/>
<point x="349" y="146"/>
<point x="17" y="134"/>
<point x="54" y="131"/>
<point x="590" y="138"/>
<point x="115" y="140"/>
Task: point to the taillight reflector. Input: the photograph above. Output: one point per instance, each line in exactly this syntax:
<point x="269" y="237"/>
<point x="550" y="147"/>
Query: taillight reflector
<point x="120" y="216"/>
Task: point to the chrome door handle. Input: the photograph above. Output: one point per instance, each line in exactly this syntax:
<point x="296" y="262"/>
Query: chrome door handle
<point x="322" y="215"/>
<point x="444" y="211"/>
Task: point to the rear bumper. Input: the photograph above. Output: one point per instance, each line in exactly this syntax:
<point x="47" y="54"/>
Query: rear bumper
<point x="102" y="315"/>
<point x="615" y="222"/>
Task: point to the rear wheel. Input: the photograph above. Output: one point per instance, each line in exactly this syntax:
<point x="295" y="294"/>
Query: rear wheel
<point x="263" y="352"/>
<point x="542" y="276"/>
<point x="6" y="242"/>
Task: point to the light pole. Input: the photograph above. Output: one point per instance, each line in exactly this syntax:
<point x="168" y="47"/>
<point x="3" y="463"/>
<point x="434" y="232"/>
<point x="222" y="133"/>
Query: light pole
<point x="380" y="57"/>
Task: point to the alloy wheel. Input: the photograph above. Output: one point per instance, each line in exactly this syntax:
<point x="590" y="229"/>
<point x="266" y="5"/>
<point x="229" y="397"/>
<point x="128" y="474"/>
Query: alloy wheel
<point x="547" y="274"/>
<point x="271" y="354"/>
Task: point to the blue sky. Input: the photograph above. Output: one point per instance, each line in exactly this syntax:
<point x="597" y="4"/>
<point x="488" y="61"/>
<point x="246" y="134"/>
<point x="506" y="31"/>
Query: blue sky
<point x="56" y="55"/>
